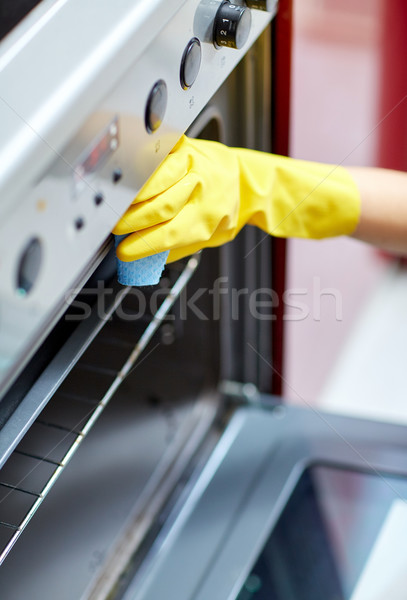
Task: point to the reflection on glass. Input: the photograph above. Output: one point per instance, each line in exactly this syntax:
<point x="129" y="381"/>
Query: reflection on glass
<point x="325" y="536"/>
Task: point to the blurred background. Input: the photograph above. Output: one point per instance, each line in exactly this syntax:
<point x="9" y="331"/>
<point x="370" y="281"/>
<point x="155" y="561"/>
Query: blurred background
<point x="348" y="106"/>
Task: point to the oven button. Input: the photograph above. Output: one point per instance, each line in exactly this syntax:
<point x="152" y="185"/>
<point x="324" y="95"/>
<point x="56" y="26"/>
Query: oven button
<point x="156" y="106"/>
<point x="117" y="175"/>
<point x="98" y="198"/>
<point x="79" y="223"/>
<point x="29" y="266"/>
<point x="232" y="25"/>
<point x="267" y="5"/>
<point x="191" y="63"/>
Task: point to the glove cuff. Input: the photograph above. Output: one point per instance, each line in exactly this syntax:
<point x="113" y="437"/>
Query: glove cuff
<point x="304" y="199"/>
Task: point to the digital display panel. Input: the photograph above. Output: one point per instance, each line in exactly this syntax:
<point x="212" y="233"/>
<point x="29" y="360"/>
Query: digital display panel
<point x="98" y="152"/>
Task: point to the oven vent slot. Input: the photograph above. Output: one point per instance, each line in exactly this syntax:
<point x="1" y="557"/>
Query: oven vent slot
<point x="38" y="460"/>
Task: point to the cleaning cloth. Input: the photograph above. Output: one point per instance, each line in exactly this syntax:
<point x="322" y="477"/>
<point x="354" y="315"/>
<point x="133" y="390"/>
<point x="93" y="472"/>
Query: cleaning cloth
<point x="144" y="271"/>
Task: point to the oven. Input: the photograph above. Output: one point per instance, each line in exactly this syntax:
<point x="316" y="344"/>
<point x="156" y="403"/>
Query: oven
<point x="142" y="453"/>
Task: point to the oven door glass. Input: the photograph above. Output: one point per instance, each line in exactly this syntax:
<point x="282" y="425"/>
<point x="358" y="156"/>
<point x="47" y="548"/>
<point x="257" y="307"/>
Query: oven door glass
<point x="339" y="537"/>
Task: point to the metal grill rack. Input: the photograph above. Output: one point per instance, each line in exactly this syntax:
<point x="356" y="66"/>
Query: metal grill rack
<point x="50" y="434"/>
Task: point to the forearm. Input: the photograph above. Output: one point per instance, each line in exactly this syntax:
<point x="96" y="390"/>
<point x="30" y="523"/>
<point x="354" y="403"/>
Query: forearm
<point x="383" y="220"/>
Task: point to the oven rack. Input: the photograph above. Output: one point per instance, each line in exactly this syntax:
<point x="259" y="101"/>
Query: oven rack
<point x="40" y="439"/>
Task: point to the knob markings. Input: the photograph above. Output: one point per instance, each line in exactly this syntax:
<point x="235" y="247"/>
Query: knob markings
<point x="231" y="25"/>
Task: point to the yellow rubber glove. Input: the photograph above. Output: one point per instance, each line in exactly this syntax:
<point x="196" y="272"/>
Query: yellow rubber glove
<point x="204" y="193"/>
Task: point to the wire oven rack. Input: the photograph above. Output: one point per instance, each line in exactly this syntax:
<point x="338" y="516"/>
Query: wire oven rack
<point x="46" y="436"/>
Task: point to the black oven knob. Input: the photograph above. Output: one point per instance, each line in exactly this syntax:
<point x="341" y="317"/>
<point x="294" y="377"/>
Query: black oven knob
<point x="267" y="5"/>
<point x="232" y="25"/>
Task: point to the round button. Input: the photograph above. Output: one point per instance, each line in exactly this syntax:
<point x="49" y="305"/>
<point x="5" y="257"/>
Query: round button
<point x="232" y="25"/>
<point x="29" y="266"/>
<point x="98" y="198"/>
<point x="117" y="175"/>
<point x="190" y="63"/>
<point x="156" y="106"/>
<point x="79" y="223"/>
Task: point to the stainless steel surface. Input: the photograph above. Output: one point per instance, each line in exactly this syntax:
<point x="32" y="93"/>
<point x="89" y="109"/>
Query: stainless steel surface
<point x="102" y="74"/>
<point x="108" y="39"/>
<point x="82" y="429"/>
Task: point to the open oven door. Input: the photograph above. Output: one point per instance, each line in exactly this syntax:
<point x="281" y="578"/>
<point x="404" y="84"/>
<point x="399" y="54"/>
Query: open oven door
<point x="293" y="504"/>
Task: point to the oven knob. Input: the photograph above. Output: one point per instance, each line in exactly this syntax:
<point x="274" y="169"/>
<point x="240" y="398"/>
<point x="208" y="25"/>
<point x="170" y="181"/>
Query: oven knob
<point x="267" y="5"/>
<point x="232" y="25"/>
<point x="156" y="106"/>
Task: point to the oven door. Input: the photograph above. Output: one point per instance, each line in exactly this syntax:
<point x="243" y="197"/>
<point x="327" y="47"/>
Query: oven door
<point x="292" y="504"/>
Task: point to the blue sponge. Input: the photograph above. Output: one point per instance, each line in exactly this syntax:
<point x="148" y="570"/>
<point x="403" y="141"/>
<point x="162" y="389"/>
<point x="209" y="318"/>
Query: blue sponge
<point x="144" y="271"/>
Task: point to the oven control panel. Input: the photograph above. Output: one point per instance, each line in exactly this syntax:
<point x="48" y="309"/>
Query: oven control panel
<point x="99" y="126"/>
<point x="232" y="25"/>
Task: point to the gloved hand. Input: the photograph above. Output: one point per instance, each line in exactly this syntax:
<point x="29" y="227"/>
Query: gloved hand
<point x="204" y="193"/>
